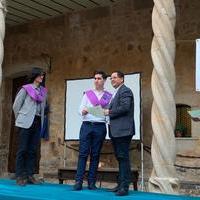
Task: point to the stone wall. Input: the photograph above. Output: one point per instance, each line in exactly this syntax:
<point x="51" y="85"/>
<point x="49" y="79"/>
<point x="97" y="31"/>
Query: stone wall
<point x="6" y="89"/>
<point x="108" y="38"/>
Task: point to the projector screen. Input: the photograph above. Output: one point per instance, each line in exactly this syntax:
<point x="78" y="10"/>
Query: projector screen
<point x="197" y="65"/>
<point x="74" y="93"/>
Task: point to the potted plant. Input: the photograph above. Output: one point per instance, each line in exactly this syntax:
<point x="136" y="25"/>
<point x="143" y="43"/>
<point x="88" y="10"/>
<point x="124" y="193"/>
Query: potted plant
<point x="180" y="130"/>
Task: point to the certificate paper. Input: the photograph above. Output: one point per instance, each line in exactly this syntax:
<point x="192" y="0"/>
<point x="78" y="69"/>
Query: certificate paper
<point x="96" y="111"/>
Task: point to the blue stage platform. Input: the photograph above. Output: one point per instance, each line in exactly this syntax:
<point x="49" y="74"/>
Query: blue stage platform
<point x="10" y="191"/>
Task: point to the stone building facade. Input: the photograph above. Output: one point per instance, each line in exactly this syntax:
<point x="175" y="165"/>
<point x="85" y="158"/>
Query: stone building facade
<point x="108" y="38"/>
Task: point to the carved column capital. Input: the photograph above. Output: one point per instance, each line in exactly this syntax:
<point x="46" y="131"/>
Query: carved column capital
<point x="3" y="6"/>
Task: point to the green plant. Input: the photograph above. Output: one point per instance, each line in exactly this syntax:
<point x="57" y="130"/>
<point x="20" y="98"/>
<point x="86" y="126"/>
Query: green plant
<point x="180" y="130"/>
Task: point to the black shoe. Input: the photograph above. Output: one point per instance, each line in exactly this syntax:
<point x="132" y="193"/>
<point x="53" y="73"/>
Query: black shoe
<point x="122" y="192"/>
<point x="77" y="186"/>
<point x="92" y="186"/>
<point x="20" y="181"/>
<point x="115" y="189"/>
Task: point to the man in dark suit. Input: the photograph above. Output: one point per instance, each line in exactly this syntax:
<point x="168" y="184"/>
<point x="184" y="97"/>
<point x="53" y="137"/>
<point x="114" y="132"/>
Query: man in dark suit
<point x="122" y="128"/>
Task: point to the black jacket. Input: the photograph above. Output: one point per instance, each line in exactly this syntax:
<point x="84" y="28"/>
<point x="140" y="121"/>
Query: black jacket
<point x="122" y="113"/>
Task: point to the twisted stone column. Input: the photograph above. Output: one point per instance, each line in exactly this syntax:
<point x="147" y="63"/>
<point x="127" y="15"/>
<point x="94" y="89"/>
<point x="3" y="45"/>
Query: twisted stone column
<point x="2" y="33"/>
<point x="163" y="115"/>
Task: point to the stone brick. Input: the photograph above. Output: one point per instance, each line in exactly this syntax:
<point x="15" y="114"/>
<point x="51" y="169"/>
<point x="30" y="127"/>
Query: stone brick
<point x="117" y="37"/>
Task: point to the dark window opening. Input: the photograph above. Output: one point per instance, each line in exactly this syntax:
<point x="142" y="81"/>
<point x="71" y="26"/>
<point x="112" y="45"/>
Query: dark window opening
<point x="183" y="121"/>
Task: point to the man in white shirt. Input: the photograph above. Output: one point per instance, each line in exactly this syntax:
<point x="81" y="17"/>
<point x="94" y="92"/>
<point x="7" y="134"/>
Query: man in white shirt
<point x="93" y="131"/>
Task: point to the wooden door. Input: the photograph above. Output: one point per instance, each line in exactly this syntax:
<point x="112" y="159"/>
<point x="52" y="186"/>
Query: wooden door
<point x="17" y="84"/>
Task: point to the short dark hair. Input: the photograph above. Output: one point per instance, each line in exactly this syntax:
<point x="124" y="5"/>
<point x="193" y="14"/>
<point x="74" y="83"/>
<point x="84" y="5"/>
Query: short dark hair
<point x="104" y="75"/>
<point x="119" y="74"/>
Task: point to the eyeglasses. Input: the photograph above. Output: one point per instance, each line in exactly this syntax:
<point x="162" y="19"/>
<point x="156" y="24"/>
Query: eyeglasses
<point x="115" y="77"/>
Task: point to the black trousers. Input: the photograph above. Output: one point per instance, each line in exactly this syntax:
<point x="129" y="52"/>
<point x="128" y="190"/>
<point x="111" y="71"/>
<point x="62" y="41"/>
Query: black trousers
<point x="92" y="136"/>
<point x="27" y="150"/>
<point x="121" y="149"/>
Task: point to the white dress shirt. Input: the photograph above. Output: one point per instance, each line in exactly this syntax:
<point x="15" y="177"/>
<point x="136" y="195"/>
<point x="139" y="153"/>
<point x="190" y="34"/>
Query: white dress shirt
<point x="86" y="103"/>
<point x="38" y="108"/>
<point x="115" y="91"/>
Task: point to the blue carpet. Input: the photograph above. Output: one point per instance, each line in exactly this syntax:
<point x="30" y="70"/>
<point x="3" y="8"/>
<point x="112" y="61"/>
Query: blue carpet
<point x="10" y="191"/>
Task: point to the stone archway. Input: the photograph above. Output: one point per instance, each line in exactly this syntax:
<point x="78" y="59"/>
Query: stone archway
<point x="7" y="94"/>
<point x="6" y="97"/>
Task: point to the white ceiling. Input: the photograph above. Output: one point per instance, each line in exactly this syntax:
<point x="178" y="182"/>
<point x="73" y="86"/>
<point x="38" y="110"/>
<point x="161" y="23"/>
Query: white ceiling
<point x="23" y="11"/>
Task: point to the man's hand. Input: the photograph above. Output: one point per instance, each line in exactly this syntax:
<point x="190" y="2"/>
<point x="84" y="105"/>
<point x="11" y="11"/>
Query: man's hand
<point x="84" y="111"/>
<point x="106" y="112"/>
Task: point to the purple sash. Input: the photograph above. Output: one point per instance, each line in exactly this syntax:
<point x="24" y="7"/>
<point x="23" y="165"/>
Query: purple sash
<point x="36" y="95"/>
<point x="104" y="101"/>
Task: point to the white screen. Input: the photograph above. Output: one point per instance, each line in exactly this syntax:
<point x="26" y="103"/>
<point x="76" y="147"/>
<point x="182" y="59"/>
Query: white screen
<point x="74" y="93"/>
<point x="198" y="65"/>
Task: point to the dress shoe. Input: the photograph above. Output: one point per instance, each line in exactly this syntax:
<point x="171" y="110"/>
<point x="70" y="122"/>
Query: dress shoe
<point x="33" y="180"/>
<point x="77" y="186"/>
<point x="92" y="186"/>
<point x="122" y="192"/>
<point x="20" y="181"/>
<point x="115" y="189"/>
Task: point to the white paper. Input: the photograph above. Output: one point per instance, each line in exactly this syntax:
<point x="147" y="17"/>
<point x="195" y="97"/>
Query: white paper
<point x="96" y="111"/>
